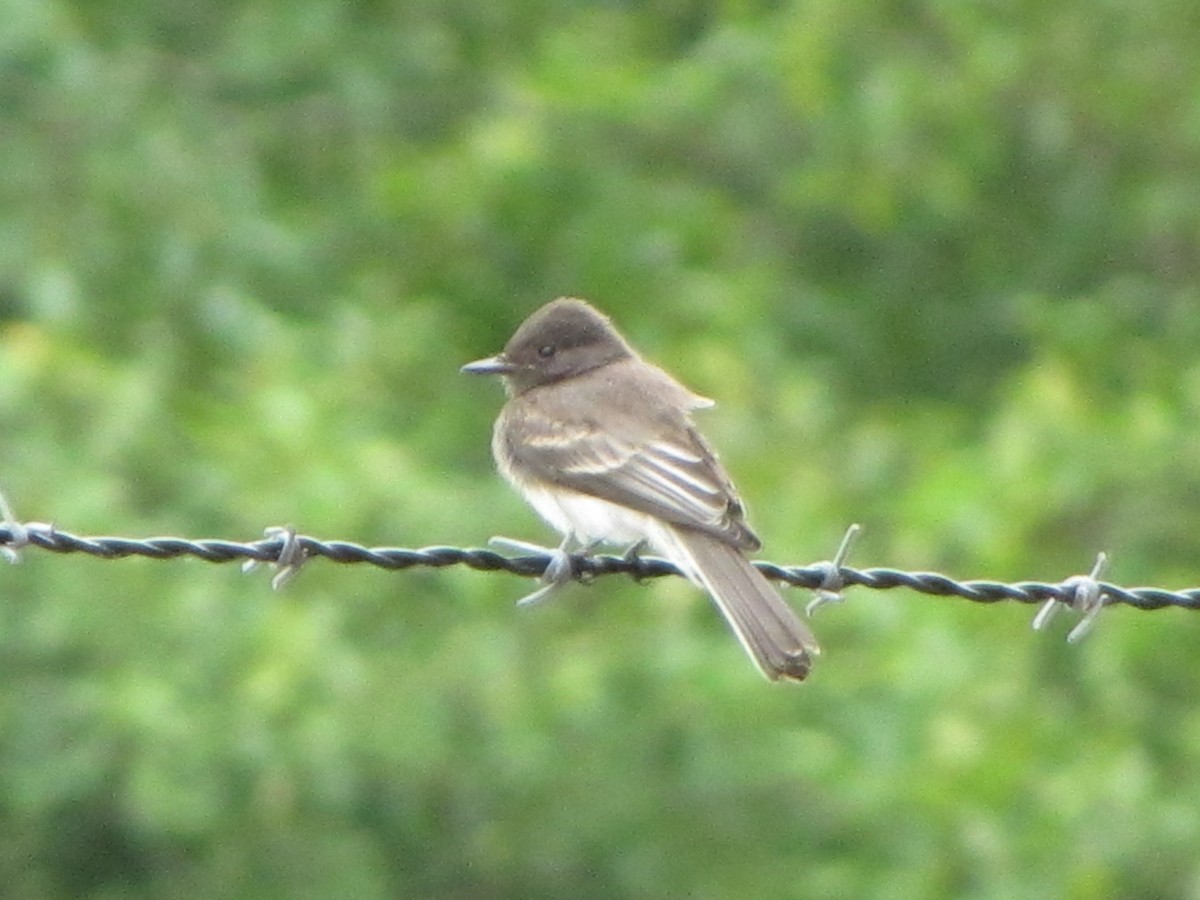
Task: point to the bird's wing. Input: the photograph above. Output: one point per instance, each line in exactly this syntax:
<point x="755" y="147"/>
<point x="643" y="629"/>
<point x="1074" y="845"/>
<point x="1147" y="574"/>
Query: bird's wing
<point x="655" y="462"/>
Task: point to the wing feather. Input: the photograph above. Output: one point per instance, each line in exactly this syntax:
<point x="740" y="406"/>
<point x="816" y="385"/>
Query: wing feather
<point x="655" y="462"/>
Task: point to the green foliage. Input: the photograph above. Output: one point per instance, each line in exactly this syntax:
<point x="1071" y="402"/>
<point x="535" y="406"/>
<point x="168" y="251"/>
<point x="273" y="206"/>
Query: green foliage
<point x="937" y="262"/>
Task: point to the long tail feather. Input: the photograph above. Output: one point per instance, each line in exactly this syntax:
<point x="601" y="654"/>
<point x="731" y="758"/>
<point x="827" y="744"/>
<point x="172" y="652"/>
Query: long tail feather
<point x="779" y="643"/>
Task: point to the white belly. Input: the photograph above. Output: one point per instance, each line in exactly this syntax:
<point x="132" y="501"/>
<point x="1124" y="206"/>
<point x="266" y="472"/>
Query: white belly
<point x="590" y="519"/>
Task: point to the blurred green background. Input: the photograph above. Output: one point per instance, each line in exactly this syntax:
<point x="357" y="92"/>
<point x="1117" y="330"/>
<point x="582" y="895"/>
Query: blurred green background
<point x="937" y="261"/>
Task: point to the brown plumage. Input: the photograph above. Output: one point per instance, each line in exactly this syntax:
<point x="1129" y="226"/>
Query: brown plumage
<point x="603" y="446"/>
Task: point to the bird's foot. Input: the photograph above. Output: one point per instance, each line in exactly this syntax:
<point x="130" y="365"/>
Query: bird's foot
<point x="633" y="558"/>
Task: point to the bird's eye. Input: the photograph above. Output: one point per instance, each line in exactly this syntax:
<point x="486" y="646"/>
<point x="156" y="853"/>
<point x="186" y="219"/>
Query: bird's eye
<point x="546" y="351"/>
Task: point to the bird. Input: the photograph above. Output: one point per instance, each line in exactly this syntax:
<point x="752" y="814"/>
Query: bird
<point x="602" y="445"/>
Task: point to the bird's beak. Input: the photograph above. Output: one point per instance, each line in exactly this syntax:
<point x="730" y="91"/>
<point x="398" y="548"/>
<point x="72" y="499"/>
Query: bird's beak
<point x="493" y="365"/>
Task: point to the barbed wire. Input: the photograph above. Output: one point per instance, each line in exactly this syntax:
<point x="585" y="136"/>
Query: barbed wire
<point x="287" y="551"/>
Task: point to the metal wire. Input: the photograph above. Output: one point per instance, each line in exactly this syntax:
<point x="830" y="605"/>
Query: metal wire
<point x="288" y="550"/>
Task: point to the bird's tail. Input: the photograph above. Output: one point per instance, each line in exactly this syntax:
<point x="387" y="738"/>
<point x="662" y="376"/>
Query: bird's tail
<point x="779" y="643"/>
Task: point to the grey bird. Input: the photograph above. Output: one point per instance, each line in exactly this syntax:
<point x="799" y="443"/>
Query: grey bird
<point x="601" y="443"/>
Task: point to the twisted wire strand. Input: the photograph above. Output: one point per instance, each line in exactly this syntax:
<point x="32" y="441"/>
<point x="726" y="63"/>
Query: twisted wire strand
<point x="289" y="550"/>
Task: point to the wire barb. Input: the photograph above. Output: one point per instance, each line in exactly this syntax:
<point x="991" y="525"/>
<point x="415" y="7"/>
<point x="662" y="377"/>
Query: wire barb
<point x="558" y="571"/>
<point x="274" y="549"/>
<point x="291" y="557"/>
<point x="19" y="533"/>
<point x="832" y="584"/>
<point x="1082" y="592"/>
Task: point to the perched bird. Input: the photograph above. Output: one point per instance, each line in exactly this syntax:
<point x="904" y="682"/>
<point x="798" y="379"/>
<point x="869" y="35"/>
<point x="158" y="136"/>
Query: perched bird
<point x="601" y="443"/>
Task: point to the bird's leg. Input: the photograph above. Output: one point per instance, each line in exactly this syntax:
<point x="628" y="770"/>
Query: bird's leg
<point x="633" y="556"/>
<point x="586" y="551"/>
